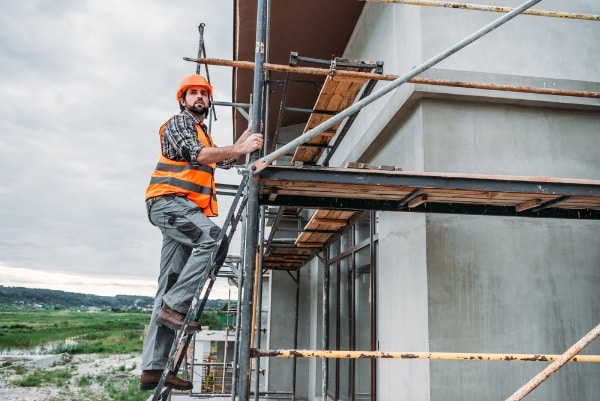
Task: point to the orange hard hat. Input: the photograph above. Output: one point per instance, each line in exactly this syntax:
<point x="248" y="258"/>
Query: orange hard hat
<point x="193" y="80"/>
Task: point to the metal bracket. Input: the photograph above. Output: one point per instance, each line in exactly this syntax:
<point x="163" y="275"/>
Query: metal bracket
<point x="333" y="63"/>
<point x="332" y="68"/>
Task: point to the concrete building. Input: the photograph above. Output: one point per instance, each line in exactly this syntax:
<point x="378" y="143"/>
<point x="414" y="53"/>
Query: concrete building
<point x="440" y="282"/>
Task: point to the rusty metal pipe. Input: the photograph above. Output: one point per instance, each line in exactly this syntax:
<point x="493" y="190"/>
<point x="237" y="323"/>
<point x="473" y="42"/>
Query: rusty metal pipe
<point x="415" y="80"/>
<point x="560" y="361"/>
<point x="451" y="356"/>
<point x="477" y="7"/>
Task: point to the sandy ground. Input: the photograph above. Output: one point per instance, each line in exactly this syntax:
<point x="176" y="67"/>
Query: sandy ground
<point x="111" y="366"/>
<point x="124" y="367"/>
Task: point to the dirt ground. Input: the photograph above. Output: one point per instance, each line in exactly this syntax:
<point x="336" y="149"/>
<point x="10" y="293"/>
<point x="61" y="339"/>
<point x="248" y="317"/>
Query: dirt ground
<point x="111" y="366"/>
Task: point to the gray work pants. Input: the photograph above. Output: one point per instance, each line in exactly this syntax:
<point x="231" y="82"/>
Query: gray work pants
<point x="189" y="238"/>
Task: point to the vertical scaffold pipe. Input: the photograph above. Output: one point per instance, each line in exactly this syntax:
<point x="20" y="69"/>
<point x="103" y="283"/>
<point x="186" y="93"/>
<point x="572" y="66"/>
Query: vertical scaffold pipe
<point x="325" y="326"/>
<point x="200" y="45"/>
<point x="258" y="306"/>
<point x="296" y="316"/>
<point x="252" y="223"/>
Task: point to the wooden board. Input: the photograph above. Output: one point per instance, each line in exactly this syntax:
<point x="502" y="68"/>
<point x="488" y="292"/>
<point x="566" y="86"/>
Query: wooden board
<point x="409" y="191"/>
<point x="323" y="225"/>
<point x="337" y="94"/>
<point x="390" y="185"/>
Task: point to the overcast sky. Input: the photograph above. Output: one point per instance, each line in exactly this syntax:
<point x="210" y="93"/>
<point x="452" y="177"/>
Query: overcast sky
<point x="85" y="85"/>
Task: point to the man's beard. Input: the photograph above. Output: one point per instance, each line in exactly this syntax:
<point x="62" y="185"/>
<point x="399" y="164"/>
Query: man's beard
<point x="198" y="109"/>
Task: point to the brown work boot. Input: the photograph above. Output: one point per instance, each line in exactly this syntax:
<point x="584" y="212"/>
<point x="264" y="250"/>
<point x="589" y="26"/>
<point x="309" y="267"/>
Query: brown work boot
<point x="150" y="379"/>
<point x="174" y="320"/>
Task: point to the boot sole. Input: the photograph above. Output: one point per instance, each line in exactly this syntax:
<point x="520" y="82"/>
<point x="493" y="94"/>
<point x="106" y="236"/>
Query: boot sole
<point x="147" y="387"/>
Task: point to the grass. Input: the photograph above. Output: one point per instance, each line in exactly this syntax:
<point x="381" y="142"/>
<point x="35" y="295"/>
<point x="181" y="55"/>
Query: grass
<point x="100" y="332"/>
<point x="103" y="333"/>
<point x="113" y="388"/>
<point x="39" y="377"/>
<point x="126" y="390"/>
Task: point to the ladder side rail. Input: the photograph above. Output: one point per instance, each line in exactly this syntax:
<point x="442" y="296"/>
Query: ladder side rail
<point x="159" y="393"/>
<point x="212" y="278"/>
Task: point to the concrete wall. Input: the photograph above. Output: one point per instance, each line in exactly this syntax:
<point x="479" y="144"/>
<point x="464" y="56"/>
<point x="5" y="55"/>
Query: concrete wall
<point x="483" y="284"/>
<point x="281" y="329"/>
<point x="488" y="284"/>
<point x="528" y="51"/>
<point x="509" y="285"/>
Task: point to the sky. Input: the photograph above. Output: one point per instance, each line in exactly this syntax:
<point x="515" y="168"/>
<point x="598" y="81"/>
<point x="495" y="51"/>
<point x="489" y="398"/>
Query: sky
<point x="84" y="87"/>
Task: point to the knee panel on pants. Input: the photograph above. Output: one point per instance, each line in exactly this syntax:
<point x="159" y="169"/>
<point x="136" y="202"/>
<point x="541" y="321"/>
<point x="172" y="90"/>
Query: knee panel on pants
<point x="190" y="230"/>
<point x="171" y="280"/>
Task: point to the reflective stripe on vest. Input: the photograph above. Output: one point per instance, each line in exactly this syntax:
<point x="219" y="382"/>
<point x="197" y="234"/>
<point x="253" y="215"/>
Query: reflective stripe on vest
<point x="196" y="182"/>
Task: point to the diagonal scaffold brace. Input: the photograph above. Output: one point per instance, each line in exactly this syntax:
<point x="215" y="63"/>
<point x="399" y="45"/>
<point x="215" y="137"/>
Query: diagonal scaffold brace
<point x="209" y="272"/>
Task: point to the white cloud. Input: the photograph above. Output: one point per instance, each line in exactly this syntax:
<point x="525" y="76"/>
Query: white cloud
<point x="85" y="86"/>
<point x="87" y="284"/>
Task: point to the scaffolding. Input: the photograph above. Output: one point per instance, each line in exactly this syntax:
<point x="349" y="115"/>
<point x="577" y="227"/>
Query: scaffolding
<point x="282" y="192"/>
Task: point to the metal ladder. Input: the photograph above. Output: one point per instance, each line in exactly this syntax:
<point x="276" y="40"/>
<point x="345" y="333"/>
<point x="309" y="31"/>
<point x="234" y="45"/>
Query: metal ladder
<point x="184" y="338"/>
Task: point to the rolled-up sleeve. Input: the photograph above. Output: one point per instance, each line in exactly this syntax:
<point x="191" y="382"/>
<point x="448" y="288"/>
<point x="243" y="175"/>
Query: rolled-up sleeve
<point x="180" y="140"/>
<point x="227" y="163"/>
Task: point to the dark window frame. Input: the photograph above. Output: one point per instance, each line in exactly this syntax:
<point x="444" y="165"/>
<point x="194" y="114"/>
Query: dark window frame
<point x="334" y="262"/>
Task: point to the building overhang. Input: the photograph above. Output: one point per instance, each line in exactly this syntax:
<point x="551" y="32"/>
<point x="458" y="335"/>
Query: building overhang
<point x="312" y="28"/>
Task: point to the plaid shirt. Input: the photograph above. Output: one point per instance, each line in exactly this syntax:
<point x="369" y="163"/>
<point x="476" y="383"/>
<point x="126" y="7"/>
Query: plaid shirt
<point x="180" y="140"/>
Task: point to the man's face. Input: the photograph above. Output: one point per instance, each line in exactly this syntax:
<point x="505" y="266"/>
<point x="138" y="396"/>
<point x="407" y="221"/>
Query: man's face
<point x="196" y="99"/>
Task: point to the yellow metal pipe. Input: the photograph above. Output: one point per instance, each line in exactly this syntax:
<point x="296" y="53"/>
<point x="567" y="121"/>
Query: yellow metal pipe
<point x="478" y="7"/>
<point x="449" y="356"/>
<point x="254" y="301"/>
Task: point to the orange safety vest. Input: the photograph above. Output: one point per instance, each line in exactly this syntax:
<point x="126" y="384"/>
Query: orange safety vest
<point x="196" y="182"/>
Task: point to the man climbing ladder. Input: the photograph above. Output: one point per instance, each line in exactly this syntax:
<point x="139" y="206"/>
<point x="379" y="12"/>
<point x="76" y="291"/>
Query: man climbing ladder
<point x="180" y="199"/>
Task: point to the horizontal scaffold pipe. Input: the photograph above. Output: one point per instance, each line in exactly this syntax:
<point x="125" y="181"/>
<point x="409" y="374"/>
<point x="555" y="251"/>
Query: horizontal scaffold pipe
<point x="450" y="356"/>
<point x="415" y="80"/>
<point x="477" y="7"/>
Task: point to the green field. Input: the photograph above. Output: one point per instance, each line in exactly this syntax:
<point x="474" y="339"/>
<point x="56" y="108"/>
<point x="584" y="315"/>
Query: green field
<point x="76" y="332"/>
<point x="73" y="332"/>
<point x="97" y="332"/>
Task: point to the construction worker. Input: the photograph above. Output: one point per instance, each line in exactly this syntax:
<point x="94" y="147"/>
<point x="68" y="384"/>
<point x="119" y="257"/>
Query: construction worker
<point x="180" y="199"/>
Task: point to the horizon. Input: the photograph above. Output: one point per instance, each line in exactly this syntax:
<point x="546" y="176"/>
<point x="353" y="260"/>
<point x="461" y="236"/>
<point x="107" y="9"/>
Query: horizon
<point x="96" y="295"/>
<point x="73" y="292"/>
<point x="110" y="286"/>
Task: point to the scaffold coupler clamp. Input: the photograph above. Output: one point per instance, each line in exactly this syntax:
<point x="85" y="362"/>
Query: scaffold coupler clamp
<point x="332" y="68"/>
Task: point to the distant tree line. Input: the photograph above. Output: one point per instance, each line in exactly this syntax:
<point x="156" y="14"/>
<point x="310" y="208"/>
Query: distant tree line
<point x="55" y="299"/>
